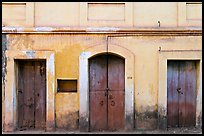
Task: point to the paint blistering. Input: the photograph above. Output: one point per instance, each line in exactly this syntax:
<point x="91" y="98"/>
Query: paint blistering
<point x="13" y="29"/>
<point x="102" y="29"/>
<point x="43" y="29"/>
<point x="30" y="54"/>
<point x="85" y="54"/>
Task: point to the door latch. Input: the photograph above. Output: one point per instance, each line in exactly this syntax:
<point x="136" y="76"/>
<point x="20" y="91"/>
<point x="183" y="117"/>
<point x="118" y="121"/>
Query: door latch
<point x="107" y="89"/>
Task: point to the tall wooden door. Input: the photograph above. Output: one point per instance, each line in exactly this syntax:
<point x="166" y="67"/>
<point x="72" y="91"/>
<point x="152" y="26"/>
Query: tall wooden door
<point x="181" y="87"/>
<point x="107" y="90"/>
<point x="31" y="94"/>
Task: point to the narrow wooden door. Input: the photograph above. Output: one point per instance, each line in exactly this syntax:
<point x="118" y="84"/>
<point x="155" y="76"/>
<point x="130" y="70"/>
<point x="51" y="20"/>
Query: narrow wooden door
<point x="181" y="87"/>
<point x="107" y="86"/>
<point x="31" y="94"/>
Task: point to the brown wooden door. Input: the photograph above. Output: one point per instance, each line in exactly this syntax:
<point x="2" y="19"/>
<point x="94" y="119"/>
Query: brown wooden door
<point x="107" y="86"/>
<point x="97" y="91"/>
<point x="116" y="94"/>
<point x="181" y="87"/>
<point x="31" y="94"/>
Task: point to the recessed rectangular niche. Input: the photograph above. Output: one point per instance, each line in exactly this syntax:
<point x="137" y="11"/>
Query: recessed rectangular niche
<point x="106" y="12"/>
<point x="14" y="11"/>
<point x="66" y="85"/>
<point x="194" y="10"/>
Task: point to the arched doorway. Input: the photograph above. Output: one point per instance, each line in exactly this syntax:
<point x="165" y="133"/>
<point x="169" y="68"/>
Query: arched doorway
<point x="106" y="92"/>
<point x="84" y="105"/>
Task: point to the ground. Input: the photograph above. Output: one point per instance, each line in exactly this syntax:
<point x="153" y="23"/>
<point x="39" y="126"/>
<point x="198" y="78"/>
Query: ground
<point x="169" y="131"/>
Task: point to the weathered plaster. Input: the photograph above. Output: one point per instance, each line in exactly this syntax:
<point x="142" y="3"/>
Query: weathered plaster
<point x="68" y="47"/>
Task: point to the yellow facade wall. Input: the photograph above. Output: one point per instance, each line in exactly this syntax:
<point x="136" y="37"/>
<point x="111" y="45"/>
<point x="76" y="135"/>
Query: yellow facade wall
<point x="67" y="48"/>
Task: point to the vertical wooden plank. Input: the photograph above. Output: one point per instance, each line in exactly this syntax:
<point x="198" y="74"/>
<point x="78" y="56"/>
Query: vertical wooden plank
<point x="116" y="110"/>
<point x="20" y="95"/>
<point x="116" y="85"/>
<point x="172" y="94"/>
<point x="182" y="88"/>
<point x="116" y="73"/>
<point x="28" y="89"/>
<point x="187" y="97"/>
<point x="190" y="103"/>
<point x="40" y="94"/>
<point x="98" y="111"/>
<point x="191" y="94"/>
<point x="98" y="73"/>
<point x="97" y="86"/>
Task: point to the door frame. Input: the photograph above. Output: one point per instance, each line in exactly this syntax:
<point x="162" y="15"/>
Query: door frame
<point x="11" y="106"/>
<point x="84" y="83"/>
<point x="162" y="93"/>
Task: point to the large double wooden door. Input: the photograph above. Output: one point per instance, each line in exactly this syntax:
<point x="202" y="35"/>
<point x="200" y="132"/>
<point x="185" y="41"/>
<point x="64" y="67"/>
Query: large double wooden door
<point x="181" y="87"/>
<point x="107" y="91"/>
<point x="31" y="94"/>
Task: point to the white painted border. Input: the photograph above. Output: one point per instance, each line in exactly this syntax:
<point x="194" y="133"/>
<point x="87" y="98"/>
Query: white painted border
<point x="10" y="86"/>
<point x="84" y="83"/>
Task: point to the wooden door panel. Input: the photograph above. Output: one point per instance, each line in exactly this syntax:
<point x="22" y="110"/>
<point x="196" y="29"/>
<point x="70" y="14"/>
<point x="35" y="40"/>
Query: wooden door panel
<point x="98" y="73"/>
<point x="116" y="69"/>
<point x="20" y="92"/>
<point x="116" y="85"/>
<point x="27" y="115"/>
<point x="172" y="94"/>
<point x="98" y="111"/>
<point x="97" y="90"/>
<point x="191" y="94"/>
<point x="181" y="87"/>
<point x="116" y="110"/>
<point x="31" y="95"/>
<point x="187" y="97"/>
<point x="40" y="93"/>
